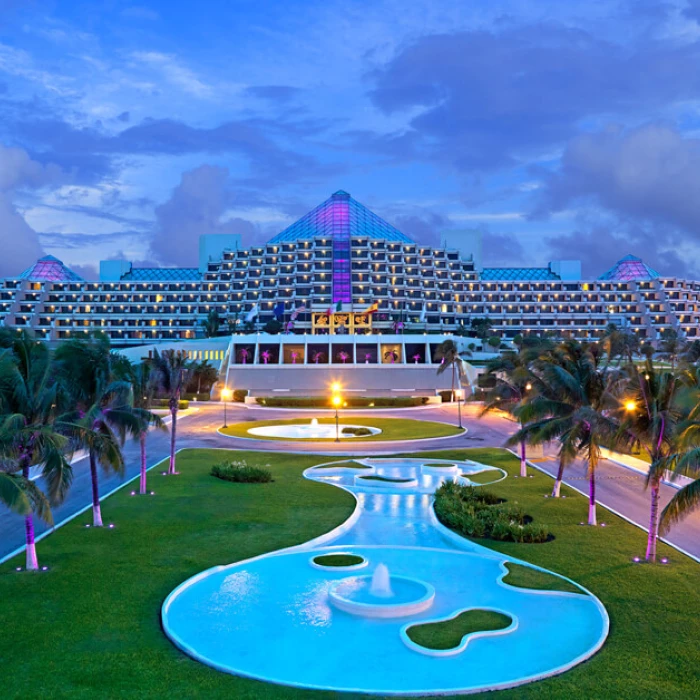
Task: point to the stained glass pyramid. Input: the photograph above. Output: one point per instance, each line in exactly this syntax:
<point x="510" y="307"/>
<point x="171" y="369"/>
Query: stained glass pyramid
<point x="50" y="269"/>
<point x="629" y="268"/>
<point x="340" y="216"/>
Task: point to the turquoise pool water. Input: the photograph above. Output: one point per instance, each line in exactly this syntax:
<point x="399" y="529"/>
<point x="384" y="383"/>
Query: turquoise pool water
<point x="271" y="618"/>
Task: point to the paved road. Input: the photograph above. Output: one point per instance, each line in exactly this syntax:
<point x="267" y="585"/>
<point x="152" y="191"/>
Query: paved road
<point x="618" y="488"/>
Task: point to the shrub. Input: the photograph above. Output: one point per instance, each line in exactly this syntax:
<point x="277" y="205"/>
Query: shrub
<point x="239" y="395"/>
<point x="197" y="397"/>
<point x="165" y="403"/>
<point x="474" y="512"/>
<point x="359" y="431"/>
<point x="241" y="472"/>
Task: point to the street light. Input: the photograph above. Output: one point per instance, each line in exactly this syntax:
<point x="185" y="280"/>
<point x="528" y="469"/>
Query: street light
<point x="458" y="396"/>
<point x="630" y="406"/>
<point x="226" y="395"/>
<point x="337" y="400"/>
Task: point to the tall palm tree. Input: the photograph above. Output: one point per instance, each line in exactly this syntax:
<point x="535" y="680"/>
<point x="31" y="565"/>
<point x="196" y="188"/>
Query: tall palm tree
<point x="98" y="411"/>
<point x="651" y="417"/>
<point x="172" y="370"/>
<point x="513" y="382"/>
<point x="449" y="357"/>
<point x="573" y="407"/>
<point x="142" y="380"/>
<point x="29" y="435"/>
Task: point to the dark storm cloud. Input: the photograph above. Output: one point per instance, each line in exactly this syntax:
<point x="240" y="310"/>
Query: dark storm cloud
<point x="650" y="173"/>
<point x="89" y="149"/>
<point x="485" y="98"/>
<point x="599" y="247"/>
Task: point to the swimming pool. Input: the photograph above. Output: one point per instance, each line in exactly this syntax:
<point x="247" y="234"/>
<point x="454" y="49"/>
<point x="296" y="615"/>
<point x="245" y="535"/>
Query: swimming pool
<point x="273" y="617"/>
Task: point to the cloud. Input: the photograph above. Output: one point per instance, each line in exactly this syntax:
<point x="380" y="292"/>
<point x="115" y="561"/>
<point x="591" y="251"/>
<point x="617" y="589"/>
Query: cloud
<point x="650" y="173"/>
<point x="194" y="208"/>
<point x="600" y="246"/>
<point x="18" y="170"/>
<point x="175" y="73"/>
<point x="18" y="240"/>
<point x="478" y="99"/>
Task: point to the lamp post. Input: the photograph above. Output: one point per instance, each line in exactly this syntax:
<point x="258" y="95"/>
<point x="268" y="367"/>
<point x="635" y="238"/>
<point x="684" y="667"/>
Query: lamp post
<point x="226" y="395"/>
<point x="337" y="400"/>
<point x="458" y="396"/>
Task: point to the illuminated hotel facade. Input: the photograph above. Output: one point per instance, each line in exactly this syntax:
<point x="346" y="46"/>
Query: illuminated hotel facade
<point x="342" y="258"/>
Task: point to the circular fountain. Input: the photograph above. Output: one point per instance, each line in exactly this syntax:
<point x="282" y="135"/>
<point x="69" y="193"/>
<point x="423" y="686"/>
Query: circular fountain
<point x="381" y="595"/>
<point x="312" y="431"/>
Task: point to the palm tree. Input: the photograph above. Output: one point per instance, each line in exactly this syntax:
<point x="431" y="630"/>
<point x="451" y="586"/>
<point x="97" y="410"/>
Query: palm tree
<point x="686" y="461"/>
<point x="171" y="371"/>
<point x="29" y="435"/>
<point x="513" y="382"/>
<point x="142" y="380"/>
<point x="652" y="414"/>
<point x="572" y="405"/>
<point x="672" y="345"/>
<point x="450" y="358"/>
<point x="211" y="324"/>
<point x="99" y="413"/>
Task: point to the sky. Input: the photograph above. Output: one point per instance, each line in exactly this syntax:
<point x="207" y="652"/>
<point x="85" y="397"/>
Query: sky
<point x="562" y="130"/>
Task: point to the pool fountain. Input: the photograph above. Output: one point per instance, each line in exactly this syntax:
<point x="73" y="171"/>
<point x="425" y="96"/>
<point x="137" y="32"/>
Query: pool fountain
<point x="311" y="431"/>
<point x="381" y="595"/>
<point x="275" y="616"/>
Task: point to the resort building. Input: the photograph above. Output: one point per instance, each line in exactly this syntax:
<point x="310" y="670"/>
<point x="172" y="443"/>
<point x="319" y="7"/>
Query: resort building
<point x="341" y="269"/>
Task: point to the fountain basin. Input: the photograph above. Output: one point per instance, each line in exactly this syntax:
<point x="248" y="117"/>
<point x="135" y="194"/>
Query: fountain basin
<point x="437" y="469"/>
<point x="409" y="596"/>
<point x="311" y="431"/>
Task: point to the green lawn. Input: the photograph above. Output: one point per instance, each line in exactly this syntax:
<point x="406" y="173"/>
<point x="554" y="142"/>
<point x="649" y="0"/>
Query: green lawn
<point x="392" y="428"/>
<point x="90" y="628"/>
<point x="448" y="634"/>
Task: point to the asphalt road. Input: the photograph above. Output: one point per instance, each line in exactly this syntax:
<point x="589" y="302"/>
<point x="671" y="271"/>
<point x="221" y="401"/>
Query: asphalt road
<point x="618" y="488"/>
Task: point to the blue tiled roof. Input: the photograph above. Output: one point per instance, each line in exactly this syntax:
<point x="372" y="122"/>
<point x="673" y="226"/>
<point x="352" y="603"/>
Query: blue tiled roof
<point x="518" y="273"/>
<point x="340" y="214"/>
<point x="629" y="268"/>
<point x="157" y="274"/>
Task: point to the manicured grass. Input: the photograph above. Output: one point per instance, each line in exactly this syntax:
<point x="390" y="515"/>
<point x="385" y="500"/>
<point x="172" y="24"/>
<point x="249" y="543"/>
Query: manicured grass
<point x="338" y="560"/>
<point x="448" y="634"/>
<point x="345" y="465"/>
<point x="90" y="627"/>
<point x="525" y="577"/>
<point x="486" y="477"/>
<point x="392" y="429"/>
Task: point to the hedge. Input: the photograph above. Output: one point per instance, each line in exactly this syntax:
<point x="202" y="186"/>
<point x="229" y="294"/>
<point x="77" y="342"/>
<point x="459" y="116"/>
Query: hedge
<point x="165" y="403"/>
<point x="349" y="401"/>
<point x="197" y="397"/>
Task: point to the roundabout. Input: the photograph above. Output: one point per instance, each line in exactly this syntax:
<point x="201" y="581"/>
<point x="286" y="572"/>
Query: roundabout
<point x="360" y="429"/>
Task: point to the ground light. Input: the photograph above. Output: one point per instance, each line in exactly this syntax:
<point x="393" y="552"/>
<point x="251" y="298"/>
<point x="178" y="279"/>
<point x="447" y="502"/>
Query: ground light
<point x="226" y="395"/>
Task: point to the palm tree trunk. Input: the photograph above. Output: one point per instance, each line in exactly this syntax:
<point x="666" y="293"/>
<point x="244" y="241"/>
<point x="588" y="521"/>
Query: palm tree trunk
<point x="32" y="562"/>
<point x="653" y="522"/>
<point x="142" y="482"/>
<point x="591" y="496"/>
<point x="452" y="398"/>
<point x="557" y="482"/>
<point x="173" y="435"/>
<point x="96" y="513"/>
<point x="523" y="460"/>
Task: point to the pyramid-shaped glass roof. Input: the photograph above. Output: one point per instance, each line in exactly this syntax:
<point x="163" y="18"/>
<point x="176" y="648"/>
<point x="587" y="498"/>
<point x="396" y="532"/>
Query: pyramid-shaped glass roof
<point x="629" y="268"/>
<point x="50" y="269"/>
<point x="340" y="215"/>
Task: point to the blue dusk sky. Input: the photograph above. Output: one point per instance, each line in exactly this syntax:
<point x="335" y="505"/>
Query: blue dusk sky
<point x="561" y="129"/>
